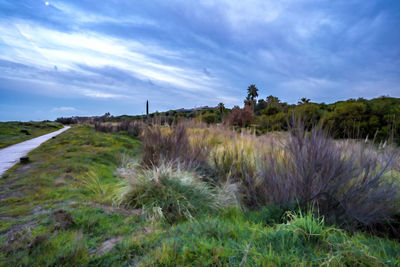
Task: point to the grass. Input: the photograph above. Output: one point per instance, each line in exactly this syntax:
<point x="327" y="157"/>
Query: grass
<point x="60" y="176"/>
<point x="170" y="193"/>
<point x="78" y="172"/>
<point x="14" y="132"/>
<point x="230" y="239"/>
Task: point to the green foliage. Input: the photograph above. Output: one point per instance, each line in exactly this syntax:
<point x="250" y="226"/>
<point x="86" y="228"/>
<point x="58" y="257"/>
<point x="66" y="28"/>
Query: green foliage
<point x="309" y="113"/>
<point x="378" y="119"/>
<point x="210" y="118"/>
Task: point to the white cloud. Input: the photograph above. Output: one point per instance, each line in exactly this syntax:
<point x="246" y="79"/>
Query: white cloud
<point x="64" y="109"/>
<point x="242" y="14"/>
<point x="99" y="94"/>
<point x="84" y="16"/>
<point x="42" y="47"/>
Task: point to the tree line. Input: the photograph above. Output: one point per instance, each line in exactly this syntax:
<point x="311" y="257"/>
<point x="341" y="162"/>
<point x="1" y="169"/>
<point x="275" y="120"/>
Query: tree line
<point x="376" y="119"/>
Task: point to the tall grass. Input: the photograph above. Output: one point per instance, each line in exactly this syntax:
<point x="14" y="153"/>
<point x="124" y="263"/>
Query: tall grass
<point x="161" y="143"/>
<point x="168" y="192"/>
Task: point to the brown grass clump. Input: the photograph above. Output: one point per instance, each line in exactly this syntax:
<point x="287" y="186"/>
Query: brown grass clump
<point x="165" y="144"/>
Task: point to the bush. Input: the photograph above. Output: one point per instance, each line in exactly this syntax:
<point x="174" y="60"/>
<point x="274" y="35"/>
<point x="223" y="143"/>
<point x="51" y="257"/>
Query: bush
<point x="353" y="186"/>
<point x="240" y="117"/>
<point x="210" y="117"/>
<point x="169" y="193"/>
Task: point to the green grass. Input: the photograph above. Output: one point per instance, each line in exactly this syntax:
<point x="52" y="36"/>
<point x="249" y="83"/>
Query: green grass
<point x="61" y="175"/>
<point x="13" y="132"/>
<point x="76" y="172"/>
<point x="232" y="240"/>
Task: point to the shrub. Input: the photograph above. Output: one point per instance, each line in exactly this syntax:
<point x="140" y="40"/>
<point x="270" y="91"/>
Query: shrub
<point x="169" y="193"/>
<point x="352" y="186"/>
<point x="240" y="117"/>
<point x="210" y="117"/>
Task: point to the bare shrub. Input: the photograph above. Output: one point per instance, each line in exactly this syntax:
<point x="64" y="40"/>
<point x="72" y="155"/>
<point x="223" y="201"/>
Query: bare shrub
<point x="352" y="185"/>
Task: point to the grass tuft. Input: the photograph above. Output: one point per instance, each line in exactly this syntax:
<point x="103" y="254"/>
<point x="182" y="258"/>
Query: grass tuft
<point x="170" y="193"/>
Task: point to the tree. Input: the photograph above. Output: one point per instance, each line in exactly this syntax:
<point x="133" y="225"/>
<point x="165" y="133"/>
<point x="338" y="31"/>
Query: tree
<point x="221" y="107"/>
<point x="304" y="101"/>
<point x="272" y="100"/>
<point x="252" y="94"/>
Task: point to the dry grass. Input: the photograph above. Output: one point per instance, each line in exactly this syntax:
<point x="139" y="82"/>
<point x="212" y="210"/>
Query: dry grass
<point x="348" y="181"/>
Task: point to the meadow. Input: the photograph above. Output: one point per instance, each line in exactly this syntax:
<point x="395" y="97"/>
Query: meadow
<point x="193" y="194"/>
<point x="13" y="132"/>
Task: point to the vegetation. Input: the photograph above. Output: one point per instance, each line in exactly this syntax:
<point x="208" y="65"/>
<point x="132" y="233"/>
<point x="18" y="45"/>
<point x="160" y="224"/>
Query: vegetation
<point x="167" y="192"/>
<point x="377" y="119"/>
<point x="200" y="195"/>
<point x="232" y="239"/>
<point x="14" y="132"/>
<point x="75" y="173"/>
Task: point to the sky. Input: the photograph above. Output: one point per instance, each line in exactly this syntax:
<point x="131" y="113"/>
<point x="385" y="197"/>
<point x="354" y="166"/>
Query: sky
<point x="88" y="57"/>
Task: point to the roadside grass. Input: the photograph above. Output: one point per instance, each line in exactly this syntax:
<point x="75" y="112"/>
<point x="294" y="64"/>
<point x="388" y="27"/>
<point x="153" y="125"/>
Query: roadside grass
<point x="13" y="132"/>
<point x="73" y="172"/>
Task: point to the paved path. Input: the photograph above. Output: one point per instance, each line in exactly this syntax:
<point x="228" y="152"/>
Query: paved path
<point x="10" y="155"/>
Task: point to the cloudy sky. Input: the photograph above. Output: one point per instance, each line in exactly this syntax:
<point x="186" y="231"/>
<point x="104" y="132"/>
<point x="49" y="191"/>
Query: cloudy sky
<point x="88" y="57"/>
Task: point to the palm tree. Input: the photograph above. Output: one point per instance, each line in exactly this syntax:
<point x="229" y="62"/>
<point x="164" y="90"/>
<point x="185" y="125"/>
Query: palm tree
<point x="221" y="107"/>
<point x="252" y="94"/>
<point x="304" y="101"/>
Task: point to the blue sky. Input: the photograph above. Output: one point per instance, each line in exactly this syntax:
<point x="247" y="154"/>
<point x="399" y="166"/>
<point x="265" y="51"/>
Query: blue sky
<point x="86" y="57"/>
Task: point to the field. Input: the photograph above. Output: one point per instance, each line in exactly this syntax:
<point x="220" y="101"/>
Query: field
<point x="14" y="132"/>
<point x="198" y="195"/>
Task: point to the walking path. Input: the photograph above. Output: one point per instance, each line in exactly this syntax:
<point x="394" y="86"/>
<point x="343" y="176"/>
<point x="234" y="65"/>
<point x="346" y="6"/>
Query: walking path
<point x="10" y="155"/>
